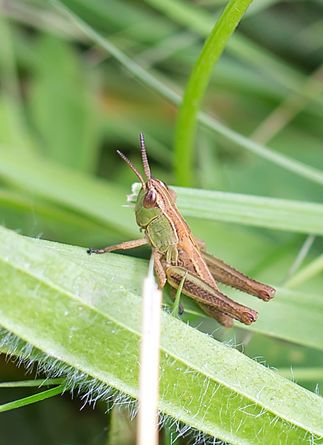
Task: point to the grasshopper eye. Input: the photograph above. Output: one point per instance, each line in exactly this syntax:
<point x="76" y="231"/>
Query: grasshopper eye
<point x="150" y="199"/>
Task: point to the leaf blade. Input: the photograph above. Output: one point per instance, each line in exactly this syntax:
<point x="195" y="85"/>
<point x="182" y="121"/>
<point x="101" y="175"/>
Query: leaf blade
<point x="71" y="313"/>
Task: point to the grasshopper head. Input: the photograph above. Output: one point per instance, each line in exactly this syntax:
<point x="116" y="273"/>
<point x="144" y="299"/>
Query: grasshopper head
<point x="154" y="195"/>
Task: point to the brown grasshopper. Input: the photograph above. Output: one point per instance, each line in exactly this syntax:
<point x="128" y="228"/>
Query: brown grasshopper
<point x="180" y="258"/>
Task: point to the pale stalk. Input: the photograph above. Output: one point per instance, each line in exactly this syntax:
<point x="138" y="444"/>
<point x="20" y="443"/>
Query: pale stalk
<point x="147" y="430"/>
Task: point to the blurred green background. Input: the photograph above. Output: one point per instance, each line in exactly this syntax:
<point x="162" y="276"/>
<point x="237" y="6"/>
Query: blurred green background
<point x="66" y="106"/>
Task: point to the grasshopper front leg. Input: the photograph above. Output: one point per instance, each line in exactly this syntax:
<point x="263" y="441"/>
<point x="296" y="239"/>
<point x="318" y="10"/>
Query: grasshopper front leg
<point x="159" y="269"/>
<point x="202" y="292"/>
<point x="122" y="246"/>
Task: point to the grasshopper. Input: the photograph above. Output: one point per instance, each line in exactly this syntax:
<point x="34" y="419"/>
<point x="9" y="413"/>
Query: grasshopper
<point x="179" y="258"/>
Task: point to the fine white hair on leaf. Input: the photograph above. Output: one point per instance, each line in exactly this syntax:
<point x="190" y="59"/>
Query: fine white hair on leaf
<point x="91" y="390"/>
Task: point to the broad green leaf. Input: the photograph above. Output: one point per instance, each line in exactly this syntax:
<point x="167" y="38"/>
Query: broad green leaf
<point x="83" y="314"/>
<point x="279" y="319"/>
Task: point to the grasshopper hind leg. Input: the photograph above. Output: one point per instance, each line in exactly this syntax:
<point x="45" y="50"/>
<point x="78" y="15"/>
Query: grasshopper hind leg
<point x="228" y="275"/>
<point x="209" y="296"/>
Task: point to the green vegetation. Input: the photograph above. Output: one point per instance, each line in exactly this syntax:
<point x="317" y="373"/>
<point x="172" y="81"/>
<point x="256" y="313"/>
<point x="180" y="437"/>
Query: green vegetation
<point x="80" y="79"/>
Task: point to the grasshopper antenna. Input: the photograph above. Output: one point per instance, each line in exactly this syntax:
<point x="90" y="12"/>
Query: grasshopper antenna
<point x="144" y="156"/>
<point x="133" y="168"/>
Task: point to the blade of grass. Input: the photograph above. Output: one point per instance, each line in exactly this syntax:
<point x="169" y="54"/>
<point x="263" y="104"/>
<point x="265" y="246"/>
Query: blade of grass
<point x="243" y="48"/>
<point x="309" y="271"/>
<point x="87" y="195"/>
<point x="83" y="319"/>
<point x="165" y="91"/>
<point x="294" y="216"/>
<point x="196" y="87"/>
<point x="34" y="217"/>
<point x="20" y="403"/>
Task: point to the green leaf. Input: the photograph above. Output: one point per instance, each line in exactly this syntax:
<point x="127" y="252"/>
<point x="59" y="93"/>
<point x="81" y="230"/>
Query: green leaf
<point x="282" y="214"/>
<point x="84" y="312"/>
<point x="89" y="196"/>
<point x="32" y="399"/>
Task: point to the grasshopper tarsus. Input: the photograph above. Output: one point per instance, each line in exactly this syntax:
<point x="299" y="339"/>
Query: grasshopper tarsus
<point x="268" y="294"/>
<point x="249" y="317"/>
<point x="90" y="250"/>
